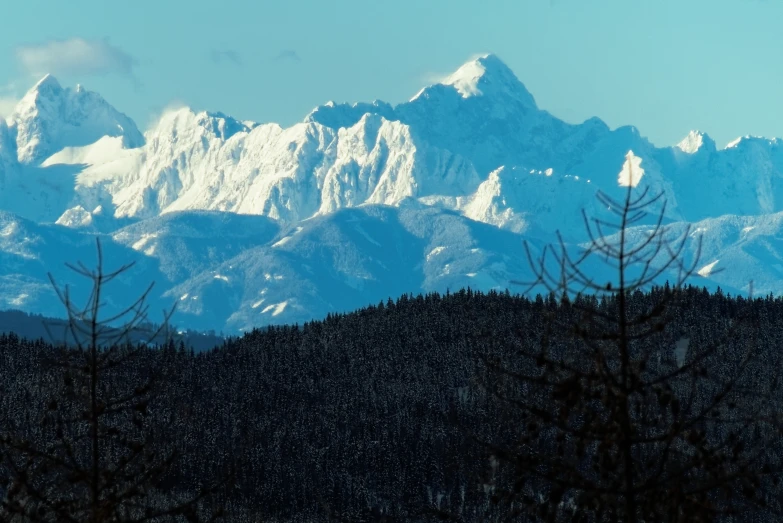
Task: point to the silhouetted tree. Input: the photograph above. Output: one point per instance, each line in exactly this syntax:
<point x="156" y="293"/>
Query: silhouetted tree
<point x="612" y="415"/>
<point x="96" y="457"/>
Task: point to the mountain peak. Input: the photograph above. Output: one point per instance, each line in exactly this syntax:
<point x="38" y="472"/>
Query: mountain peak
<point x="47" y="82"/>
<point x="488" y="75"/>
<point x="695" y="141"/>
<point x="181" y="121"/>
<point x="50" y="117"/>
<point x="336" y="116"/>
<point x="47" y="88"/>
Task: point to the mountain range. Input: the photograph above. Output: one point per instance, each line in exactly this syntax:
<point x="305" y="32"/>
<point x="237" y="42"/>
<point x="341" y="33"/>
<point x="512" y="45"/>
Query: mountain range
<point x="245" y="224"/>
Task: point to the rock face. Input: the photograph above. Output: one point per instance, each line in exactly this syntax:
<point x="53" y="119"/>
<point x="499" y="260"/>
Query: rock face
<point x="361" y="201"/>
<point x="442" y="146"/>
<point x="50" y="118"/>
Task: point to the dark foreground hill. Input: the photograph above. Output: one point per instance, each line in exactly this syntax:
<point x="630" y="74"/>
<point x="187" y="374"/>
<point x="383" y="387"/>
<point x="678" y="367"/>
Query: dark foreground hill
<point x="359" y="417"/>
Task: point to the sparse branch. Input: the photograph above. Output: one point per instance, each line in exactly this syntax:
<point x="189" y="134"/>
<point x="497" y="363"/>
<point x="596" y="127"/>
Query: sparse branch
<point x="608" y="431"/>
<point x="100" y="463"/>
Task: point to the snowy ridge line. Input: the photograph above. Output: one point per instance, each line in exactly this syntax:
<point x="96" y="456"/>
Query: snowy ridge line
<point x="358" y="202"/>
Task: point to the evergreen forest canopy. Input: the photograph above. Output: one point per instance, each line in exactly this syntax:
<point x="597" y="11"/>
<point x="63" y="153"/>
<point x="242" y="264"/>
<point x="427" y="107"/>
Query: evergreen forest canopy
<point x="363" y="415"/>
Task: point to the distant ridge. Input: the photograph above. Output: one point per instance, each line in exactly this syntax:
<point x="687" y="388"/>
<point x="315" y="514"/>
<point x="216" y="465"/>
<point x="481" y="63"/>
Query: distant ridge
<point x="246" y="224"/>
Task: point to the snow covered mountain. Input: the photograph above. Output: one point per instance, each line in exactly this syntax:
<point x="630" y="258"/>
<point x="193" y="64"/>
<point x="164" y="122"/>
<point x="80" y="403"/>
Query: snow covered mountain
<point x="28" y="251"/>
<point x="50" y="118"/>
<point x="246" y="223"/>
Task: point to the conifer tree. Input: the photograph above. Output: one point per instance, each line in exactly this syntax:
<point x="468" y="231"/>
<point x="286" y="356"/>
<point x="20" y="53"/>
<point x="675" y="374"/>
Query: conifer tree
<point x="97" y="458"/>
<point x="629" y="413"/>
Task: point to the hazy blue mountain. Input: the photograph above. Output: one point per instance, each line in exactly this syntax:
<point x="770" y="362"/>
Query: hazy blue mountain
<point x="245" y="224"/>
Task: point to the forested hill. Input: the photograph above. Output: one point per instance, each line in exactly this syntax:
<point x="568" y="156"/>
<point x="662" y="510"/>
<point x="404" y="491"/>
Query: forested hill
<point x="33" y="326"/>
<point x="364" y="415"/>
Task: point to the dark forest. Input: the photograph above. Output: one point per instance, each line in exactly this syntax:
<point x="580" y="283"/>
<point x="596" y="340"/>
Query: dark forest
<point x="363" y="416"/>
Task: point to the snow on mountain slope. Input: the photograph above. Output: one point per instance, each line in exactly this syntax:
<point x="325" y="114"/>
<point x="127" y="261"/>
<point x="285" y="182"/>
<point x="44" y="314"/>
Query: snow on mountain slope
<point x="36" y="193"/>
<point x="76" y="217"/>
<point x="8" y="162"/>
<point x="745" y="179"/>
<point x="336" y="116"/>
<point x="443" y="143"/>
<point x="483" y="111"/>
<point x="103" y="150"/>
<point x="348" y="259"/>
<point x="233" y="272"/>
<point x="50" y="117"/>
<point x="695" y="141"/>
<point x="488" y="76"/>
<point x="358" y="256"/>
<point x="245" y="224"/>
<point x="28" y="251"/>
<point x="504" y="200"/>
<point x="285" y="174"/>
<point x="340" y="156"/>
<point x="186" y="243"/>
<point x="735" y="251"/>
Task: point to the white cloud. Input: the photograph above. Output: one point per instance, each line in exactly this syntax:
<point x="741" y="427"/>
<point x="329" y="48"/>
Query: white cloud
<point x="7" y="104"/>
<point x="8" y="99"/>
<point x="75" y="56"/>
<point x="431" y="78"/>
<point x="157" y="113"/>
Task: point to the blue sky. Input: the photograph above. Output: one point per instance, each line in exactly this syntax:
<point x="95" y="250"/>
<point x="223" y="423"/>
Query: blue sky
<point x="666" y="66"/>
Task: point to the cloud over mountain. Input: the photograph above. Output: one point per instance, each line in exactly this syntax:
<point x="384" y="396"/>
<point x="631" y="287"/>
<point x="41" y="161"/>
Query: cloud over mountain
<point x="75" y="56"/>
<point x="7" y="104"/>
